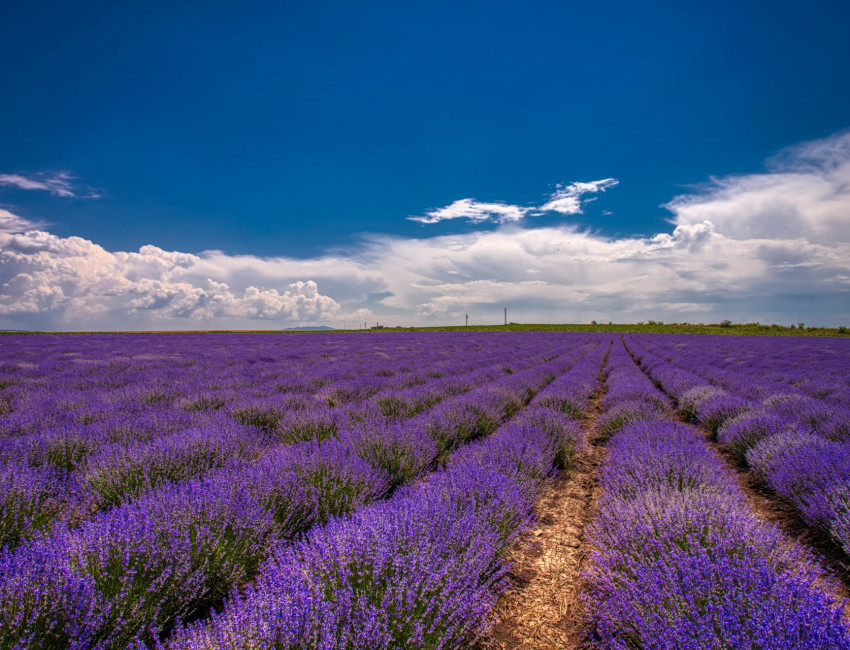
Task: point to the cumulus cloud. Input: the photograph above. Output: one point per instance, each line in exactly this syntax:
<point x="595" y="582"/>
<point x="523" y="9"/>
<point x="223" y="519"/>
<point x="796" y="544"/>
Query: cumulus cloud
<point x="71" y="281"/>
<point x="61" y="183"/>
<point x="771" y="246"/>
<point x="805" y="194"/>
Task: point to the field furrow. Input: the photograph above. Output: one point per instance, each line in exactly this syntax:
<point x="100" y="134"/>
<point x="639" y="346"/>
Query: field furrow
<point x="543" y="607"/>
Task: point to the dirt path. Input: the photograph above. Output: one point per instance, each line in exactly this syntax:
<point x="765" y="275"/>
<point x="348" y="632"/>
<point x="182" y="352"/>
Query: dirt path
<point x="543" y="609"/>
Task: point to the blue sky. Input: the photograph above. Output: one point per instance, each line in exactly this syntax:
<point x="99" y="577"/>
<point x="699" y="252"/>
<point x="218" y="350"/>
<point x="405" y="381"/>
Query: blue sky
<point x="206" y="164"/>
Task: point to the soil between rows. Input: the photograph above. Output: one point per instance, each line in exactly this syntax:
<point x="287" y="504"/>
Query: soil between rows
<point x="543" y="609"/>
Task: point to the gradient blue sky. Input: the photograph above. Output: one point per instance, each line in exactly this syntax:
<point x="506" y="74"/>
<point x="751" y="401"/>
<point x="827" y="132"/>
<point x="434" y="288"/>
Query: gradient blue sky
<point x="271" y="143"/>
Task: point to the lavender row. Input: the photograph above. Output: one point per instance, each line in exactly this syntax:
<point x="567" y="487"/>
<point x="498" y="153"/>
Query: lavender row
<point x="758" y="373"/>
<point x="680" y="562"/>
<point x="448" y="423"/>
<point x="780" y="364"/>
<point x="135" y="397"/>
<point x="798" y="445"/>
<point x="422" y="570"/>
<point x="174" y="552"/>
<point x="141" y="411"/>
<point x="118" y="472"/>
<point x="114" y="472"/>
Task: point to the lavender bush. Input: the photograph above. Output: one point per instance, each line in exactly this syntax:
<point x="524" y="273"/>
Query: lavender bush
<point x="30" y="500"/>
<point x="780" y="405"/>
<point x="680" y="562"/>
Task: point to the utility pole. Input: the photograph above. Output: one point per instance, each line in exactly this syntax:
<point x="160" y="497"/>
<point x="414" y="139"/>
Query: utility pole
<point x="467" y="320"/>
<point x="506" y="315"/>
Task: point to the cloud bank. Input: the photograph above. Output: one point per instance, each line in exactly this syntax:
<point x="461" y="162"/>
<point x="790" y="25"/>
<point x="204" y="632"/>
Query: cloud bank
<point x="72" y="282"/>
<point x="772" y="246"/>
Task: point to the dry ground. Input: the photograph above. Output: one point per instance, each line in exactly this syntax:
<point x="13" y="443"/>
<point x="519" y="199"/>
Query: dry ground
<point x="543" y="609"/>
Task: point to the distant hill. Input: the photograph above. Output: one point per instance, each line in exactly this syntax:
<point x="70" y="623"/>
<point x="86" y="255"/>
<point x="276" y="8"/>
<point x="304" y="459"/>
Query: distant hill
<point x="311" y="328"/>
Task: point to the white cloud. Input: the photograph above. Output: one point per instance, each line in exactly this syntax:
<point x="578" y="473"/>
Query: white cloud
<point x="56" y="183"/>
<point x="475" y="211"/>
<point x="818" y="156"/>
<point x="13" y="223"/>
<point x="76" y="283"/>
<point x="772" y="247"/>
<point x="806" y="194"/>
<point x="567" y="198"/>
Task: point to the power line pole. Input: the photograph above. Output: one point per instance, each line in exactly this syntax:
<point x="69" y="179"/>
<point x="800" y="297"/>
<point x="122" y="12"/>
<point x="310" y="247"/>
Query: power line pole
<point x="506" y="315"/>
<point x="467" y="320"/>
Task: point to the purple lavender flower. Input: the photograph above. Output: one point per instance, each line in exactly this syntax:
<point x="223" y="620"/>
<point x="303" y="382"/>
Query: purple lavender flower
<point x="716" y="409"/>
<point x="44" y="601"/>
<point x="392" y="448"/>
<point x="717" y="597"/>
<point x="308" y="483"/>
<point x="628" y="412"/>
<point x="120" y="472"/>
<point x="810" y="474"/>
<point x="315" y="423"/>
<point x="741" y="433"/>
<point x="690" y="401"/>
<point x="30" y="499"/>
<point x="839" y="523"/>
<point x="399" y="574"/>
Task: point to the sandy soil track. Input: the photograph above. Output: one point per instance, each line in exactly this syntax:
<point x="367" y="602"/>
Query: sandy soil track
<point x="544" y="609"/>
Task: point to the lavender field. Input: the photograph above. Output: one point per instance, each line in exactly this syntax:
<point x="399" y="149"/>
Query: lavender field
<point x="203" y="491"/>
